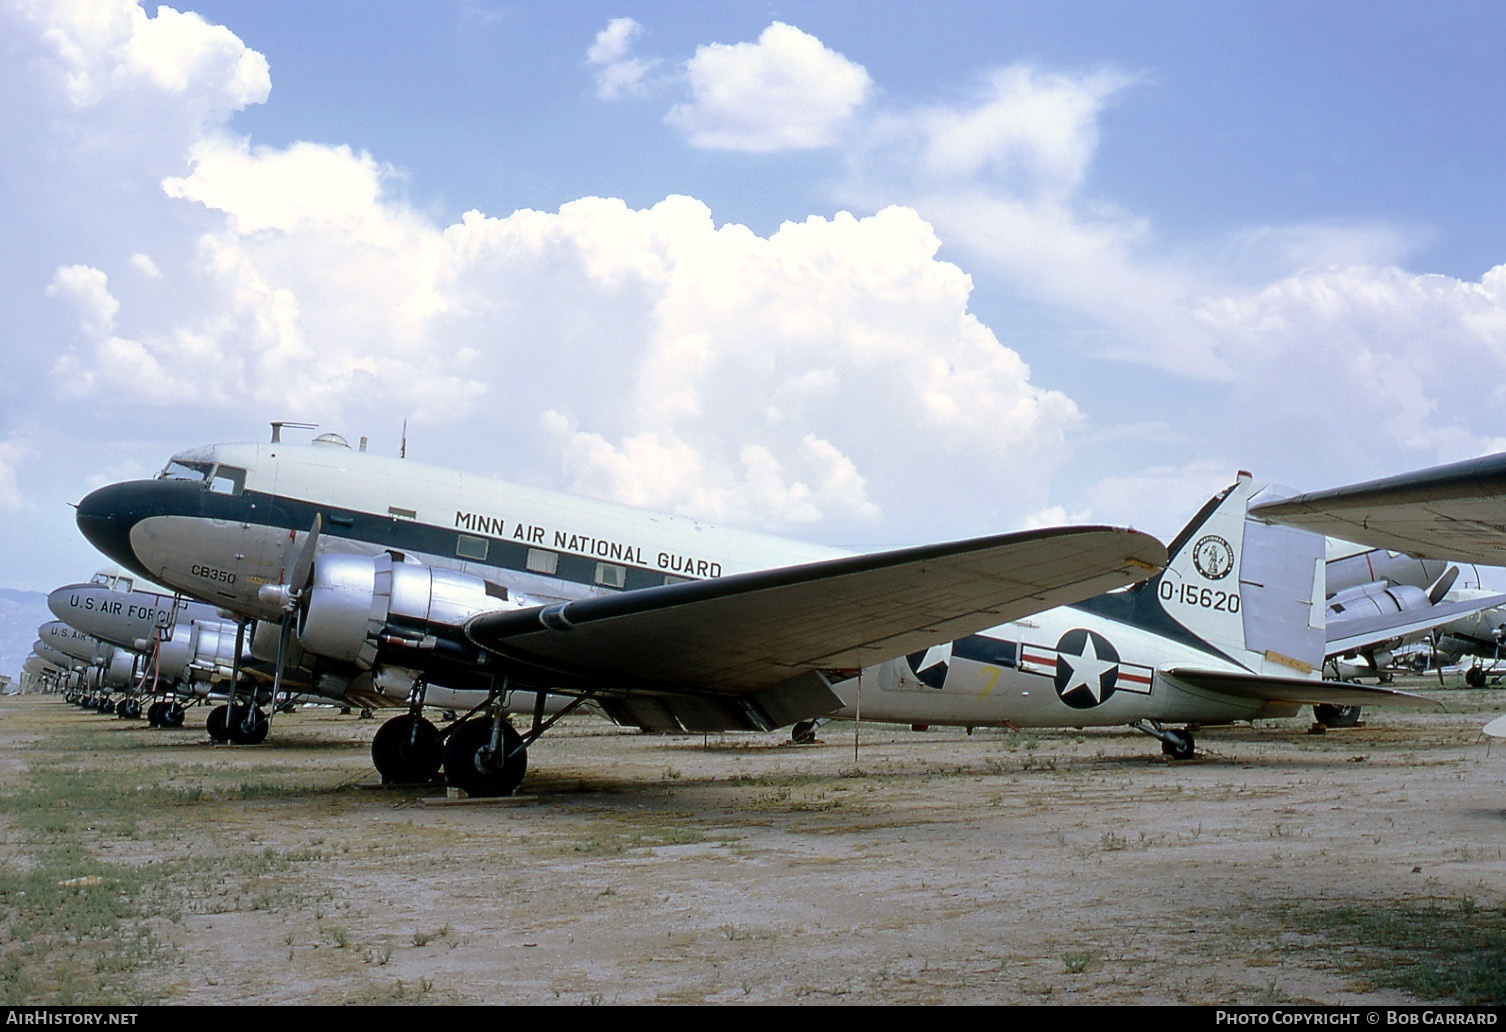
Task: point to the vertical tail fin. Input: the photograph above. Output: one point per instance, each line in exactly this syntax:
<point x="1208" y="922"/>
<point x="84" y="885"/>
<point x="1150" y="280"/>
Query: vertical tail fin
<point x="1251" y="591"/>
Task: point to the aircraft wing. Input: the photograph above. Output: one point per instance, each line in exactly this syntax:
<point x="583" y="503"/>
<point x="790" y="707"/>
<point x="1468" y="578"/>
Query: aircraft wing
<point x="1300" y="690"/>
<point x="1447" y="512"/>
<point x="753" y="650"/>
<point x="1348" y="635"/>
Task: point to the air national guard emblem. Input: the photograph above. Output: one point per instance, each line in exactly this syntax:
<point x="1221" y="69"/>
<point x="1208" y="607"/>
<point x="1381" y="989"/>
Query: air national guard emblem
<point x="1213" y="557"/>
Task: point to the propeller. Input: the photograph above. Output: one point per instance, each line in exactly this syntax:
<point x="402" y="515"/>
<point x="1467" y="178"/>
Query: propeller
<point x="287" y="596"/>
<point x="1443" y="584"/>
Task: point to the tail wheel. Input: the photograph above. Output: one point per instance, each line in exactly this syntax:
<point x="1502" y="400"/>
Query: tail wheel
<point x="407" y="750"/>
<point x="470" y="762"/>
<point x="1178" y="745"/>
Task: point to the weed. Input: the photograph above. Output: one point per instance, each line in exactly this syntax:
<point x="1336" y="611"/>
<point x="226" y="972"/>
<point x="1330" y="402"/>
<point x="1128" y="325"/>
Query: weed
<point x="1079" y="961"/>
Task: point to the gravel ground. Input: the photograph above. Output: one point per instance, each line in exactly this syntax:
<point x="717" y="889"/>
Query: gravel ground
<point x="916" y="867"/>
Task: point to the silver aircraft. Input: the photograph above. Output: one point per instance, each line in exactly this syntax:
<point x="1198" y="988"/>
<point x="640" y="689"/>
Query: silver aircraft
<point x="1233" y="629"/>
<point x="393" y="576"/>
<point x="188" y="648"/>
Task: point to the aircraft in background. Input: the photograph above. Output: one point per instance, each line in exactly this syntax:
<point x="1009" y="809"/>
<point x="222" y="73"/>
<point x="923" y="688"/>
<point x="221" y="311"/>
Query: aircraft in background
<point x="189" y="648"/>
<point x="1231" y="630"/>
<point x="393" y="576"/>
<point x="1456" y="511"/>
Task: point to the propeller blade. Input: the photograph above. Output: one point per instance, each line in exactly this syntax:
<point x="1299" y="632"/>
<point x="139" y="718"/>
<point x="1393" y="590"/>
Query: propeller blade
<point x="1442" y="585"/>
<point x="303" y="567"/>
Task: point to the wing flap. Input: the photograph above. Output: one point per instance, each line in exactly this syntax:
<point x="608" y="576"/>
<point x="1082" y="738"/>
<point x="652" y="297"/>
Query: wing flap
<point x="1298" y="690"/>
<point x="756" y="634"/>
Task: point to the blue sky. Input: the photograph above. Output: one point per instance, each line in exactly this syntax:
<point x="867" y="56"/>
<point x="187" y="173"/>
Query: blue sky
<point x="864" y="273"/>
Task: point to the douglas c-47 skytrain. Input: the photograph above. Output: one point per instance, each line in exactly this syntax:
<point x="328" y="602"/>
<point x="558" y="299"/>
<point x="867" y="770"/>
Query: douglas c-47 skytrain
<point x="388" y="576"/>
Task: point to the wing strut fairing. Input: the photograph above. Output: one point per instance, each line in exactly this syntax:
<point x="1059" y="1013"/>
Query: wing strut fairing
<point x="755" y="650"/>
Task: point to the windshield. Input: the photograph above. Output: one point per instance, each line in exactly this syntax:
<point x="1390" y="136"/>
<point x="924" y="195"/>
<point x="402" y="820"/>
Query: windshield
<point x="182" y="469"/>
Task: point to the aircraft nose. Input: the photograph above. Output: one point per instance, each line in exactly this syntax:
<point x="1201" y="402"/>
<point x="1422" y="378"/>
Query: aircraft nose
<point x="105" y="517"/>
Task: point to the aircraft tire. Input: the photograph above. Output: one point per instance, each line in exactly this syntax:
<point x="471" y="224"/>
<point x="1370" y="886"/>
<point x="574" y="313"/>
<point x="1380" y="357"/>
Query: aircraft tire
<point x="407" y="750"/>
<point x="1178" y="745"/>
<point x="1336" y="716"/>
<point x="154" y="713"/>
<point x="172" y="715"/>
<point x="247" y="726"/>
<point x="106" y="706"/>
<point x="803" y="733"/>
<point x="129" y="709"/>
<point x="1475" y="677"/>
<point x="215" y="724"/>
<point x="468" y="763"/>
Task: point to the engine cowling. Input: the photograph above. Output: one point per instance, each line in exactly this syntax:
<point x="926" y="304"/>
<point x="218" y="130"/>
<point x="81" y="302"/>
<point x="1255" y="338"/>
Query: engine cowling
<point x="363" y="609"/>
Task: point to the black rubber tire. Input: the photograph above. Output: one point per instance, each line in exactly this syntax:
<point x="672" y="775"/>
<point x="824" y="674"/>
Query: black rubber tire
<point x="803" y="733"/>
<point x="129" y="709"/>
<point x="1475" y="677"/>
<point x="407" y="750"/>
<point x="215" y="724"/>
<point x="106" y="706"/>
<point x="1178" y="745"/>
<point x="468" y="765"/>
<point x="1336" y="716"/>
<point x="247" y="726"/>
<point x="172" y="715"/>
<point x="154" y="713"/>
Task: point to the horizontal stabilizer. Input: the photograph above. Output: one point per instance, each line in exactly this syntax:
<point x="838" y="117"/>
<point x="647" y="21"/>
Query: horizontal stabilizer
<point x="1298" y="690"/>
<point x="754" y="636"/>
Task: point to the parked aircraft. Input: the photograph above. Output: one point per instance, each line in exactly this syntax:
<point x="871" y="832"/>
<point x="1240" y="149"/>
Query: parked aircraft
<point x="1231" y="630"/>
<point x="1456" y="511"/>
<point x="391" y="574"/>
<point x="190" y="647"/>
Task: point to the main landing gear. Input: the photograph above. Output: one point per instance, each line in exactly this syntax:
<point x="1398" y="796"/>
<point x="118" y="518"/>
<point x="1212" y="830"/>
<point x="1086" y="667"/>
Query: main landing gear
<point x="1176" y="745"/>
<point x="482" y="753"/>
<point x="241" y="724"/>
<point x="1336" y="716"/>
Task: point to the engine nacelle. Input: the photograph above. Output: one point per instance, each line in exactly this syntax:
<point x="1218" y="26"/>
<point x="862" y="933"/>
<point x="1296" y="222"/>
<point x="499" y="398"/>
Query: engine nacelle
<point x="358" y="607"/>
<point x="1375" y="599"/>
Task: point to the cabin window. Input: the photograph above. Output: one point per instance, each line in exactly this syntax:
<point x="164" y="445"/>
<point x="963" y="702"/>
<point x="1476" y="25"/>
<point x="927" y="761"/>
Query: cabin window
<point x="468" y="547"/>
<point x="670" y="578"/>
<point x="610" y="575"/>
<point x="400" y="513"/>
<point x="543" y="561"/>
<point x="227" y="480"/>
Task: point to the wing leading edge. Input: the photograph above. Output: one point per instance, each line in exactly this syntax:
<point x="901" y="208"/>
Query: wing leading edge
<point x="753" y="650"/>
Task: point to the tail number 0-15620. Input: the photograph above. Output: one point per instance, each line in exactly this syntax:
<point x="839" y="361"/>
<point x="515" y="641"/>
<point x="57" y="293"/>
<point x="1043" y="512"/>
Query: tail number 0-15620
<point x="1199" y="595"/>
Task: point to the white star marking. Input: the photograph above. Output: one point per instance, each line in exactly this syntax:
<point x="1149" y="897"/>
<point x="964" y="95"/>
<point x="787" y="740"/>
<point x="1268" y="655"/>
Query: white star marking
<point x="1087" y="670"/>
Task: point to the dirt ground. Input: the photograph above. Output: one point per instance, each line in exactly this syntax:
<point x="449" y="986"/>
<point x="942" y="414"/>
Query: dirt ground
<point x="920" y="867"/>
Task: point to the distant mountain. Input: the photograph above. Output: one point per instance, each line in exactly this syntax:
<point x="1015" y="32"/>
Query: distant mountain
<point x="21" y="613"/>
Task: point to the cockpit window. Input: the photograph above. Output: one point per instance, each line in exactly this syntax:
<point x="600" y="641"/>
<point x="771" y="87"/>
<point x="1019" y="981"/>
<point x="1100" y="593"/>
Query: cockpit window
<point x="178" y="469"/>
<point x="227" y="480"/>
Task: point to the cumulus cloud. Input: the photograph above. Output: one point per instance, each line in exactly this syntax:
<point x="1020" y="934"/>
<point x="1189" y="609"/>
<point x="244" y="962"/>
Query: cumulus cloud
<point x="618" y="74"/>
<point x="786" y="92"/>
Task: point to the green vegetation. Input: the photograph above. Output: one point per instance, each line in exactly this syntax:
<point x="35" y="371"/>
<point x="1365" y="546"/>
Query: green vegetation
<point x="1437" y="949"/>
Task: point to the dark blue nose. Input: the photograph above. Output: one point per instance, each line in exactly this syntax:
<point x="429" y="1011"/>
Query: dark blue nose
<point x="106" y="516"/>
